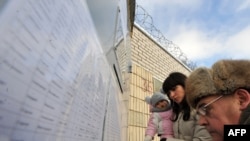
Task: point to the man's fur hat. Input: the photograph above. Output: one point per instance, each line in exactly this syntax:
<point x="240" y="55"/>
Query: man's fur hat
<point x="224" y="77"/>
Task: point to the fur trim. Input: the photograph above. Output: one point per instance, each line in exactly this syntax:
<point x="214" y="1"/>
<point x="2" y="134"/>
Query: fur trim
<point x="199" y="84"/>
<point x="224" y="77"/>
<point x="156" y="97"/>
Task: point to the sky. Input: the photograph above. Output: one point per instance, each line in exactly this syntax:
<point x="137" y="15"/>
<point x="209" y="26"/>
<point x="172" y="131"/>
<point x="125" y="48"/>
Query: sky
<point x="204" y="30"/>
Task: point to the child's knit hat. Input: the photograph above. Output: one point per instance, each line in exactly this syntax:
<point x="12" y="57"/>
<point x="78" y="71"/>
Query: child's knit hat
<point x="156" y="97"/>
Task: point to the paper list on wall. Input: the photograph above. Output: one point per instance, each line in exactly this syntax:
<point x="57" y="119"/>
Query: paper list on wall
<point x="45" y="92"/>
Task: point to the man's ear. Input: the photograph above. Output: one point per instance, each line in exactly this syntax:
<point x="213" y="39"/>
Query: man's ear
<point x="244" y="98"/>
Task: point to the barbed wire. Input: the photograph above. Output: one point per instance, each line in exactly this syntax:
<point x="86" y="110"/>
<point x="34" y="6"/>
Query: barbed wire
<point x="143" y="19"/>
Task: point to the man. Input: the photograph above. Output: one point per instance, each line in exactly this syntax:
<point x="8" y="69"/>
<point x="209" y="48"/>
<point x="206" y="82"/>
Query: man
<point x="221" y="95"/>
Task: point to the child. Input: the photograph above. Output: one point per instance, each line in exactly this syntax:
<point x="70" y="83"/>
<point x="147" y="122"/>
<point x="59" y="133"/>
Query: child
<point x="160" y="119"/>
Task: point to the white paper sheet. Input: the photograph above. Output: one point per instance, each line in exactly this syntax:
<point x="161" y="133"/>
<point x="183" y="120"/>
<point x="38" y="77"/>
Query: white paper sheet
<point x="53" y="81"/>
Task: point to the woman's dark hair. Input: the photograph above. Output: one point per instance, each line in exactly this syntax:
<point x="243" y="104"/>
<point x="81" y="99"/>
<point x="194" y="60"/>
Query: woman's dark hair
<point x="174" y="79"/>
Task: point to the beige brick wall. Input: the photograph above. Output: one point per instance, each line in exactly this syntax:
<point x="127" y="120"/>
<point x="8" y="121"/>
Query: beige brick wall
<point x="148" y="54"/>
<point x="141" y="85"/>
<point x="149" y="60"/>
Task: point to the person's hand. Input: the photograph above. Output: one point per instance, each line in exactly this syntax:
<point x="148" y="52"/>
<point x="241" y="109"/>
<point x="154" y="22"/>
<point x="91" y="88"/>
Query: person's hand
<point x="148" y="138"/>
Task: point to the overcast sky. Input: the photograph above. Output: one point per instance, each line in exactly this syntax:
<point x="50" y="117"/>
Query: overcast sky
<point x="205" y="30"/>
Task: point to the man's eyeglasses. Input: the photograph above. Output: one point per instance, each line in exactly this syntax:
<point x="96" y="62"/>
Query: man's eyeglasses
<point x="203" y="109"/>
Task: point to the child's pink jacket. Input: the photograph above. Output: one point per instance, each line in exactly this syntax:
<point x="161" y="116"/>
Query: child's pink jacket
<point x="160" y="123"/>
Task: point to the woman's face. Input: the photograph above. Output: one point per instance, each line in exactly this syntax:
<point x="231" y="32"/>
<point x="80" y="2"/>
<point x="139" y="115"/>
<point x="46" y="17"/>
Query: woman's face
<point x="177" y="94"/>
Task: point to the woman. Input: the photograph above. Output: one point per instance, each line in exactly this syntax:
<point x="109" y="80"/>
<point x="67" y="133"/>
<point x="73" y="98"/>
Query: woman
<point x="185" y="119"/>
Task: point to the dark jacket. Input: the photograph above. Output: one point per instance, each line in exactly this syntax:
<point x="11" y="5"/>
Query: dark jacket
<point x="245" y="116"/>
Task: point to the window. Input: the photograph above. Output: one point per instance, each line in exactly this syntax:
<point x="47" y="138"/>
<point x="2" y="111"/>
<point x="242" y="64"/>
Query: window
<point x="157" y="85"/>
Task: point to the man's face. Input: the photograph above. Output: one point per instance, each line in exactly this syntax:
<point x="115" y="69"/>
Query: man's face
<point x="219" y="111"/>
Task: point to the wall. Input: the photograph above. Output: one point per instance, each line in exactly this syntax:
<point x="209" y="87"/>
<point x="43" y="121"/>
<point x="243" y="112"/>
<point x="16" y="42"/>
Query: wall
<point x="152" y="57"/>
<point x="149" y="61"/>
<point x="55" y="81"/>
<point x="141" y="84"/>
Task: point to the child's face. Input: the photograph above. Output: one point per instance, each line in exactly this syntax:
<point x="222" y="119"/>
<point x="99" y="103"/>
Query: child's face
<point x="161" y="104"/>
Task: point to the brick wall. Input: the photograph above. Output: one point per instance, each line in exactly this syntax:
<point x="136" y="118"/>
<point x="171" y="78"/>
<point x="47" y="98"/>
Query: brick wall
<point x="152" y="57"/>
<point x="149" y="61"/>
